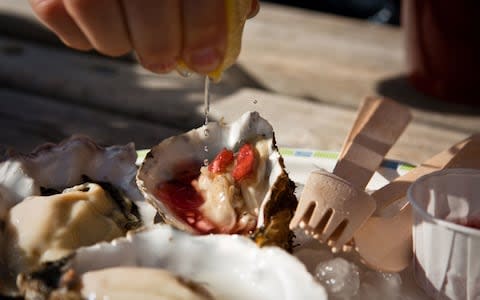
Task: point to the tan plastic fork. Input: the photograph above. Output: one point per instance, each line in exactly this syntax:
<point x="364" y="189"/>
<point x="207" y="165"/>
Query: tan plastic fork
<point x="334" y="205"/>
<point x="384" y="242"/>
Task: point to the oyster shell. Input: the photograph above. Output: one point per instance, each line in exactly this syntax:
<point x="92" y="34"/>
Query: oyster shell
<point x="228" y="266"/>
<point x="37" y="228"/>
<point x="261" y="205"/>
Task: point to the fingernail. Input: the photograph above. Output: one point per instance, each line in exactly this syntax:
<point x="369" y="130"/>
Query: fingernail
<point x="205" y="60"/>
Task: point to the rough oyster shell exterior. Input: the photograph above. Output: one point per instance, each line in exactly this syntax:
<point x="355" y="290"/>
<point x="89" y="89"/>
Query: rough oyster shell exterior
<point x="276" y="205"/>
<point x="62" y="165"/>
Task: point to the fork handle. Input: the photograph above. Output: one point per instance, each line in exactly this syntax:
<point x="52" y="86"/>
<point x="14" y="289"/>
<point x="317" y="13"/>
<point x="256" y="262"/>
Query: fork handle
<point x="378" y="125"/>
<point x="464" y="154"/>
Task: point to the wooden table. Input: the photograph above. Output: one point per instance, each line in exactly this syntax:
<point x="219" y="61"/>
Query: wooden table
<point x="306" y="71"/>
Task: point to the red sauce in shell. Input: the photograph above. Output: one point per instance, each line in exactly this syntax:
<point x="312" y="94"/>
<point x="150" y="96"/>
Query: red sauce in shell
<point x="244" y="162"/>
<point x="221" y="161"/>
<point x="184" y="200"/>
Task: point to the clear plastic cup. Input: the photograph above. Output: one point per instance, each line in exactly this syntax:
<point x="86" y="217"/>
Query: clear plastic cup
<point x="447" y="253"/>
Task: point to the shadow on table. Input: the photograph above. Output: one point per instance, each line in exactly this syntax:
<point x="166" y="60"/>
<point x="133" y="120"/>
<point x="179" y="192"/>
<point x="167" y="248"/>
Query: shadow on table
<point x="118" y="100"/>
<point x="23" y="28"/>
<point x="401" y="90"/>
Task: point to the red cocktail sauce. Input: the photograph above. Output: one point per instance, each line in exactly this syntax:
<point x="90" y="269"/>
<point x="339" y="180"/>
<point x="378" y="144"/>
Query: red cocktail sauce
<point x="243" y="165"/>
<point x="184" y="200"/>
<point x="244" y="162"/>
<point x="221" y="161"/>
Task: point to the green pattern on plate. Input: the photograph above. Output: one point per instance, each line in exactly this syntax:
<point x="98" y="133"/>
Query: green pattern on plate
<point x="406" y="167"/>
<point x="307" y="153"/>
<point x="286" y="151"/>
<point x="323" y="154"/>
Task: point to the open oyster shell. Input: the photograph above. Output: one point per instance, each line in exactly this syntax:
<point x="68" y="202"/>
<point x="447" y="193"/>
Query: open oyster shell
<point x="271" y="192"/>
<point x="228" y="266"/>
<point x="62" y="165"/>
<point x="53" y="167"/>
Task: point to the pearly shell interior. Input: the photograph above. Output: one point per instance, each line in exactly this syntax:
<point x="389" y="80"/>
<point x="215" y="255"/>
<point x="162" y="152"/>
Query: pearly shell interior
<point x="167" y="159"/>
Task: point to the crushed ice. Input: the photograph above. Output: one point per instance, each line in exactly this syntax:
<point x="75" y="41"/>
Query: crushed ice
<point x="340" y="277"/>
<point x="346" y="278"/>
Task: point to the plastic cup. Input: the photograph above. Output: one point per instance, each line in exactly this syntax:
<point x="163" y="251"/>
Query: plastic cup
<point x="447" y="254"/>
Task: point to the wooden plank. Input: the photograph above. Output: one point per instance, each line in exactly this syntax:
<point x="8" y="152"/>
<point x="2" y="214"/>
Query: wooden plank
<point x="310" y="54"/>
<point x="309" y="124"/>
<point x="28" y="121"/>
<point x="317" y="56"/>
<point x="339" y="61"/>
<point x="110" y="85"/>
<point x="320" y="56"/>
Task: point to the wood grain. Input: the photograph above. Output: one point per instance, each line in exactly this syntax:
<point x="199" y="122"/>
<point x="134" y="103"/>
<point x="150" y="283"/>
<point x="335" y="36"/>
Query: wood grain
<point x="310" y="54"/>
<point x="327" y="64"/>
<point x="28" y="121"/>
<point x="339" y="61"/>
<point x="309" y="124"/>
<point x="104" y="84"/>
<point x="316" y="56"/>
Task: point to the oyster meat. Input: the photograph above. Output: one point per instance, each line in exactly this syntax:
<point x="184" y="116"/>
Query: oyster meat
<point x="62" y="197"/>
<point x="47" y="228"/>
<point x="216" y="266"/>
<point x="243" y="189"/>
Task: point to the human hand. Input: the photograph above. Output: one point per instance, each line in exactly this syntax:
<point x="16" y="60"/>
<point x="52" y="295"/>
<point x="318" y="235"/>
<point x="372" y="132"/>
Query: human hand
<point x="161" y="32"/>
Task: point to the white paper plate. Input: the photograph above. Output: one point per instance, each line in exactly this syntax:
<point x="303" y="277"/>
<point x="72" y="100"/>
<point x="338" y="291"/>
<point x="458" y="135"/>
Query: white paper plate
<point x="299" y="164"/>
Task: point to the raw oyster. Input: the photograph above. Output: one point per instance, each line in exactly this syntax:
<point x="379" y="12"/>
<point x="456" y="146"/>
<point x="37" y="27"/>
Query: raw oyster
<point x="227" y="266"/>
<point x="246" y="193"/>
<point x="40" y="223"/>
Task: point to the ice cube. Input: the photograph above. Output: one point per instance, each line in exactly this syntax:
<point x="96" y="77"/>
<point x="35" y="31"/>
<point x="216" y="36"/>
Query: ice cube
<point x="312" y="257"/>
<point x="340" y="277"/>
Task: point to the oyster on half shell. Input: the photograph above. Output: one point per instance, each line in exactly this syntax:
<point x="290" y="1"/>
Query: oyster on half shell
<point x="218" y="266"/>
<point x="243" y="190"/>
<point x="65" y="196"/>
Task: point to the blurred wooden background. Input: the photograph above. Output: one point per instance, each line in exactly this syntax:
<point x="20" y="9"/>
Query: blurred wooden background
<point x="305" y="71"/>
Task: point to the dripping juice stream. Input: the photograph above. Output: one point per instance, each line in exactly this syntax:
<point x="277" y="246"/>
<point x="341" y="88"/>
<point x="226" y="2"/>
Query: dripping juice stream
<point x="206" y="110"/>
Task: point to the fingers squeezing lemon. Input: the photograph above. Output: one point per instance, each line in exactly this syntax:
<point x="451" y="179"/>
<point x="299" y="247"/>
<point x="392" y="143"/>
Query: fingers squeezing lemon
<point x="237" y="12"/>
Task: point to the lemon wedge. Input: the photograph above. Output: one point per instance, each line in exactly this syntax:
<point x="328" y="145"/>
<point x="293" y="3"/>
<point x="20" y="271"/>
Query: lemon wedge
<point x="236" y="15"/>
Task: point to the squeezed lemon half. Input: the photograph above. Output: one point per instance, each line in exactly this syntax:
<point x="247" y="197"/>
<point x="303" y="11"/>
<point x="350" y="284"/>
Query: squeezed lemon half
<point x="236" y="15"/>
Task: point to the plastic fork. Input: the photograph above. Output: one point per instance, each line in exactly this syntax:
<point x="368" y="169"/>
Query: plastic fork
<point x="334" y="205"/>
<point x="373" y="241"/>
